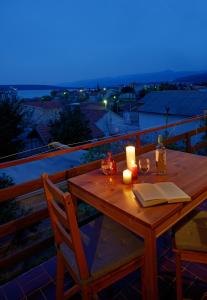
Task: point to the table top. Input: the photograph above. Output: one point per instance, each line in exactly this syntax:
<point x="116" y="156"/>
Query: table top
<point x="188" y="171"/>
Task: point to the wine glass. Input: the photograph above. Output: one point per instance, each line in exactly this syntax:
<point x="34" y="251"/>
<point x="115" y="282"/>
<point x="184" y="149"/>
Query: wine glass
<point x="105" y="166"/>
<point x="144" y="165"/>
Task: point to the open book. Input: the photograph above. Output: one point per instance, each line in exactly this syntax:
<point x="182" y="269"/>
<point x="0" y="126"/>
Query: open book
<point x="150" y="194"/>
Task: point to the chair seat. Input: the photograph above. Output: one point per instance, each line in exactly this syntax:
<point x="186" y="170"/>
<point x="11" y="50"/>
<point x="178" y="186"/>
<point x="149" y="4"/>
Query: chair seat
<point x="192" y="235"/>
<point x="108" y="246"/>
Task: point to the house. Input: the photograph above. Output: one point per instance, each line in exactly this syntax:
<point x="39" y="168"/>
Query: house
<point x="130" y="112"/>
<point x="8" y="93"/>
<point x="180" y="103"/>
<point x="162" y="108"/>
<point x="177" y="105"/>
<point x="93" y="112"/>
<point x="125" y="97"/>
<point x="104" y="122"/>
<point x="40" y="113"/>
<point x="43" y="111"/>
<point x="95" y="96"/>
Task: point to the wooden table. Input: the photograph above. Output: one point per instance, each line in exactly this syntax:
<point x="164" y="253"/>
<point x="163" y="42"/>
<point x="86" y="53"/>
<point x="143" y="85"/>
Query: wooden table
<point x="110" y="196"/>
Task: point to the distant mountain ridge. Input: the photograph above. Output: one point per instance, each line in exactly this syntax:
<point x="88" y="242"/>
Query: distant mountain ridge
<point x="144" y="78"/>
<point x="196" y="78"/>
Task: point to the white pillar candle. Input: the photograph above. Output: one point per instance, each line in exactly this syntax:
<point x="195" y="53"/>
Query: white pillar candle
<point x="130" y="156"/>
<point x="127" y="176"/>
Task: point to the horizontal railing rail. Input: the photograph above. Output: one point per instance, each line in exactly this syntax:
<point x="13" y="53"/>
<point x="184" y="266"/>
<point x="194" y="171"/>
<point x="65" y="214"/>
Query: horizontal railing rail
<point x="15" y="191"/>
<point x="93" y="144"/>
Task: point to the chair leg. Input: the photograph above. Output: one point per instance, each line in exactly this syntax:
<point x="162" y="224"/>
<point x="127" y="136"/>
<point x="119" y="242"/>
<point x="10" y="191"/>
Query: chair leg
<point x="96" y="297"/>
<point x="179" y="282"/>
<point x="143" y="288"/>
<point x="60" y="277"/>
<point x="86" y="294"/>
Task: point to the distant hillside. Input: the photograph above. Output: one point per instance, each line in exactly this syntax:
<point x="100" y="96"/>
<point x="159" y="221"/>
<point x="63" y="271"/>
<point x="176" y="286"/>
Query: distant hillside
<point x="31" y="86"/>
<point x="196" y="78"/>
<point x="126" y="79"/>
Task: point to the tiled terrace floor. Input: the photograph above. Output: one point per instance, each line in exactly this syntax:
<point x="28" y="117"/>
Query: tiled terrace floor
<point x="39" y="283"/>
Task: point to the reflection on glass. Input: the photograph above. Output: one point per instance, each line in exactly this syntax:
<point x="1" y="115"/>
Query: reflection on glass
<point x="144" y="165"/>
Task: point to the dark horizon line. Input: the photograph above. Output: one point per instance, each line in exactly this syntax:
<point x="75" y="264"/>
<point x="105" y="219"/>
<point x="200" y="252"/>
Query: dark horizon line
<point x="59" y="85"/>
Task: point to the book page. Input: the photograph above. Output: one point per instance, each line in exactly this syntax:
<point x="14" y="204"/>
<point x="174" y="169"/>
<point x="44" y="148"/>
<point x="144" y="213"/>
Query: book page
<point x="172" y="192"/>
<point x="148" y="191"/>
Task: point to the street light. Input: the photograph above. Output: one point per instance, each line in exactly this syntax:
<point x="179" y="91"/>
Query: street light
<point x="105" y="103"/>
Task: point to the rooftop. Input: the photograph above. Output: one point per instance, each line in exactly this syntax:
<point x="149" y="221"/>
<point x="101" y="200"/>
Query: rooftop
<point x="47" y="105"/>
<point x="181" y="103"/>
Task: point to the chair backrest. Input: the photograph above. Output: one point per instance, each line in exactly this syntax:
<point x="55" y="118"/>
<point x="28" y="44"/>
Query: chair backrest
<point x="64" y="223"/>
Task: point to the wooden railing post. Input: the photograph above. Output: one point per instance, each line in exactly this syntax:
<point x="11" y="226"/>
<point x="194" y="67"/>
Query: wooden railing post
<point x="188" y="143"/>
<point x="138" y="144"/>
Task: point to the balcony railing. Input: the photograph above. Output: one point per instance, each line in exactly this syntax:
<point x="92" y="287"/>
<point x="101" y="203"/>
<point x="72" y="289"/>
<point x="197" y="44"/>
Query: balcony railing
<point x="30" y="188"/>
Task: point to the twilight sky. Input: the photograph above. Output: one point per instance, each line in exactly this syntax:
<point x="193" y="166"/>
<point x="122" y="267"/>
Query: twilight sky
<point x="55" y="41"/>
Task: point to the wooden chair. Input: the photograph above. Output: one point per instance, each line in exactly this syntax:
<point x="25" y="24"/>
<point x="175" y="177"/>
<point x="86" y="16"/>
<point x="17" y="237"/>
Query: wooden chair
<point x="96" y="255"/>
<point x="190" y="244"/>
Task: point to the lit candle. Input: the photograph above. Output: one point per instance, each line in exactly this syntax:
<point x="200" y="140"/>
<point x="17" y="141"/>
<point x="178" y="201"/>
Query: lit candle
<point x="134" y="169"/>
<point x="130" y="156"/>
<point x="127" y="176"/>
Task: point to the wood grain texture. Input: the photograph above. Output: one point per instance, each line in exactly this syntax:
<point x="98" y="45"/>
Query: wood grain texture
<point x="187" y="171"/>
<point x="109" y="195"/>
<point x="66" y="232"/>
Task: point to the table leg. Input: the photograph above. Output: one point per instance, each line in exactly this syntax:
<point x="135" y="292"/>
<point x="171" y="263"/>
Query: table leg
<point x="150" y="267"/>
<point x="75" y="202"/>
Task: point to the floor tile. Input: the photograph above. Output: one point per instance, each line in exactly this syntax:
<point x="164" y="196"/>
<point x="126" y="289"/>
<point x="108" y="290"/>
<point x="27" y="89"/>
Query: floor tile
<point x="2" y="296"/>
<point x="37" y="295"/>
<point x="38" y="282"/>
<point x="30" y="275"/>
<point x="196" y="290"/>
<point x="12" y="291"/>
<point x="49" y="291"/>
<point x="199" y="270"/>
<point x="50" y="267"/>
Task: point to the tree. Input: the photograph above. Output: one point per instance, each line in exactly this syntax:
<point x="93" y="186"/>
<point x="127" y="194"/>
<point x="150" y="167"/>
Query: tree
<point x="128" y="89"/>
<point x="115" y="106"/>
<point x="53" y="93"/>
<point x="95" y="153"/>
<point x="12" y="117"/>
<point x="5" y="181"/>
<point x="71" y="127"/>
<point x="46" y="98"/>
<point x="143" y="92"/>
